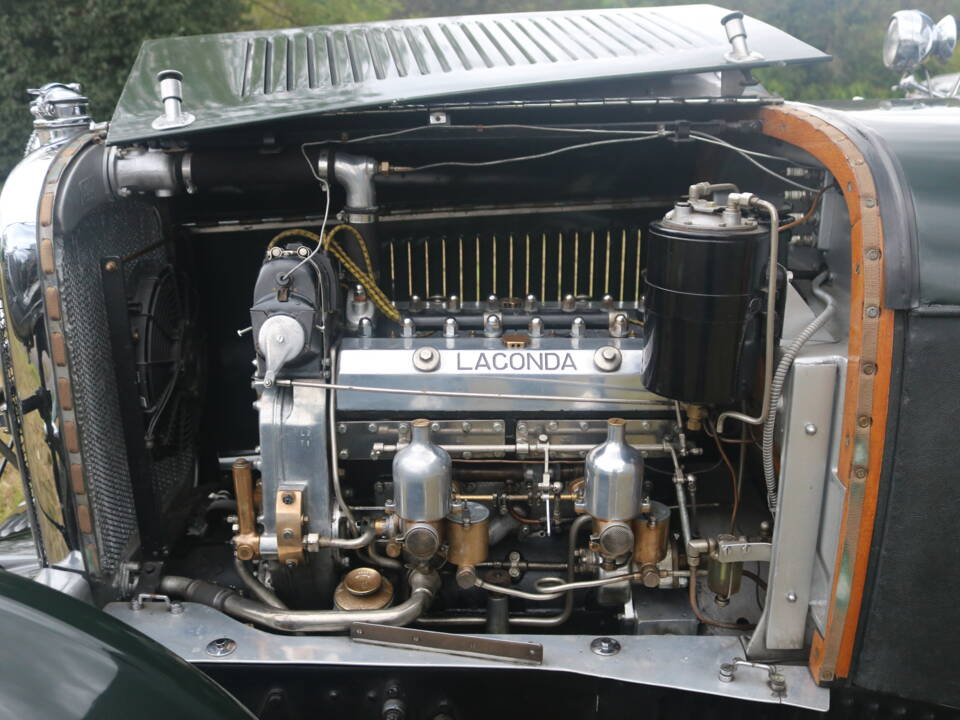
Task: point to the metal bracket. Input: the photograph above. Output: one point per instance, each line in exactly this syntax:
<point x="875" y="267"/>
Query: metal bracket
<point x="775" y="680"/>
<point x="731" y="549"/>
<point x="137" y="603"/>
<point x="290" y="527"/>
<point x="431" y="641"/>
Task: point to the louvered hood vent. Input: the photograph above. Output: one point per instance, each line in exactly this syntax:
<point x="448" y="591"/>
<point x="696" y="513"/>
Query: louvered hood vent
<point x="239" y="78"/>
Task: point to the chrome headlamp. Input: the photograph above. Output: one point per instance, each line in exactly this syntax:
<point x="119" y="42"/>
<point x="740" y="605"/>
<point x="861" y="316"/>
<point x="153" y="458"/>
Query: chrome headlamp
<point x="912" y="37"/>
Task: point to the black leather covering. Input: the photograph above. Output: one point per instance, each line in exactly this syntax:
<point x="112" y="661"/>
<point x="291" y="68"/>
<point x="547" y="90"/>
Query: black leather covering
<point x="910" y="625"/>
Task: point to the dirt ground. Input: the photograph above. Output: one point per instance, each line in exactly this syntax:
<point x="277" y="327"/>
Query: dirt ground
<point x="11" y="491"/>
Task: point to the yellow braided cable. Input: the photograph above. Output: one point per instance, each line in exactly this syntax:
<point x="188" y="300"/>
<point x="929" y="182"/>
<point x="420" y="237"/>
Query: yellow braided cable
<point x="296" y="232"/>
<point x="376" y="295"/>
<point x="360" y="241"/>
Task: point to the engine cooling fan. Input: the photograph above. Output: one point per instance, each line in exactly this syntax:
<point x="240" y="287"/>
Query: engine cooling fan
<point x="163" y="327"/>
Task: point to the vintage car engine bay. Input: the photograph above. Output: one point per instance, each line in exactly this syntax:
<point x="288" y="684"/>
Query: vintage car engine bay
<point x="559" y="381"/>
<point x="530" y="394"/>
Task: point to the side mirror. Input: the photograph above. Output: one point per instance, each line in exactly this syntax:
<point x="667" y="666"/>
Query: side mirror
<point x="912" y="37"/>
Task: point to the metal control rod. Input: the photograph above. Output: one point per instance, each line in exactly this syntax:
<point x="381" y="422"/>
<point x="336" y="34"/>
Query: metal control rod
<point x="515" y="320"/>
<point x="534" y="448"/>
<point x="451" y="393"/>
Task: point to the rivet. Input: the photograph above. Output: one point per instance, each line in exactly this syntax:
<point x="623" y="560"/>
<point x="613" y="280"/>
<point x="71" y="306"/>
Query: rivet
<point x="111" y="266"/>
<point x="810" y="429"/>
<point x="791" y="597"/>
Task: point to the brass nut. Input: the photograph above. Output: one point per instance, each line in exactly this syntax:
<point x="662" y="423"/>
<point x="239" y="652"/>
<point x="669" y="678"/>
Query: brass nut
<point x="244" y="552"/>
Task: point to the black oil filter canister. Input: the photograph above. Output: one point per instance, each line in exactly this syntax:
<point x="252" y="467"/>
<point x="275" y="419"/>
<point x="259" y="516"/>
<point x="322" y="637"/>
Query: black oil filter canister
<point x="703" y="290"/>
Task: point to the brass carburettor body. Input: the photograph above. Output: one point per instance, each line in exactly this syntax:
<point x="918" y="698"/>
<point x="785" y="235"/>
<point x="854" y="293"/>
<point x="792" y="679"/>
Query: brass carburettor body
<point x="468" y="533"/>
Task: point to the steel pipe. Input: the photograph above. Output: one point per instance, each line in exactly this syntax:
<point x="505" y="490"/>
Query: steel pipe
<point x="423" y="588"/>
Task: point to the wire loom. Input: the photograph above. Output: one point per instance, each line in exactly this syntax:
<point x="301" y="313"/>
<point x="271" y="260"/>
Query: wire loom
<point x="365" y="278"/>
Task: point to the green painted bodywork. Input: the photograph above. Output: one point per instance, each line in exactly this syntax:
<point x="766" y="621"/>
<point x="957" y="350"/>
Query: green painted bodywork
<point x="64" y="659"/>
<point x="925" y="138"/>
<point x="237" y="79"/>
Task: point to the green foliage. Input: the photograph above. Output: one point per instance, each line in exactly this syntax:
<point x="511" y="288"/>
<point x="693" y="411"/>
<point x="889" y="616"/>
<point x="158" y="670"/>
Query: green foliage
<point x="93" y="42"/>
<point x="270" y="14"/>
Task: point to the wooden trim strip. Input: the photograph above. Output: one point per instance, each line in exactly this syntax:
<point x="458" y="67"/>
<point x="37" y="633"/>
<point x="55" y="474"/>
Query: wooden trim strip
<point x="866" y="394"/>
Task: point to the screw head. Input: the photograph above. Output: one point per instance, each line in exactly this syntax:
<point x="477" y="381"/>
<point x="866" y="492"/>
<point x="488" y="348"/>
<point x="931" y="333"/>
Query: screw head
<point x="605" y="646"/>
<point x="221" y="647"/>
<point x="287" y="499"/>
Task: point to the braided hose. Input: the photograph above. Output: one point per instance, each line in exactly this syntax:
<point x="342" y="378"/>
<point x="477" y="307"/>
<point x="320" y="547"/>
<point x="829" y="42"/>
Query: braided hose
<point x="779" y="379"/>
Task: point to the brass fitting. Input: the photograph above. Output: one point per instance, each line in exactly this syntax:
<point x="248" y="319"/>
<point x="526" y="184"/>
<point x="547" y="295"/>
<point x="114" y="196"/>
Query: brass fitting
<point x="246" y="542"/>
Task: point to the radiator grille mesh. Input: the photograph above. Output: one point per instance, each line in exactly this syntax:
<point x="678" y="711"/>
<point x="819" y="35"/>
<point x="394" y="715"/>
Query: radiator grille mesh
<point x="122" y="230"/>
